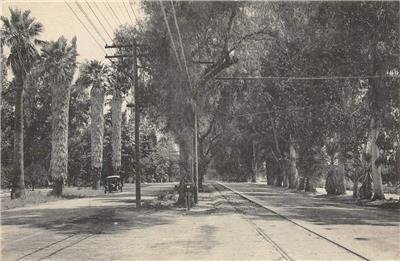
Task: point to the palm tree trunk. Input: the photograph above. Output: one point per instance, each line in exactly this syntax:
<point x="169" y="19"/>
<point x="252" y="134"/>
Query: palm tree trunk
<point x="59" y="136"/>
<point x="18" y="189"/>
<point x="253" y="162"/>
<point x="1" y="91"/>
<point x="294" y="176"/>
<point x="376" y="168"/>
<point x="97" y="134"/>
<point x="116" y="115"/>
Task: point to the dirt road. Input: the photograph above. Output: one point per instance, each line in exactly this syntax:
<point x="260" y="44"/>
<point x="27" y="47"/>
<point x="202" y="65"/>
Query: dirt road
<point x="223" y="227"/>
<point x="368" y="231"/>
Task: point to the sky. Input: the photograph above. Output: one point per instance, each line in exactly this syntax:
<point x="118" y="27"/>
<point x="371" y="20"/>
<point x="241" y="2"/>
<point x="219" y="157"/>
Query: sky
<point x="58" y="19"/>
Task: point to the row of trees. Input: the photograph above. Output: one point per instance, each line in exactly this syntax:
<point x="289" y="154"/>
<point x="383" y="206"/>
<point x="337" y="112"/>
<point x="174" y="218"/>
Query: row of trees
<point x="317" y="93"/>
<point x="77" y="126"/>
<point x="298" y="126"/>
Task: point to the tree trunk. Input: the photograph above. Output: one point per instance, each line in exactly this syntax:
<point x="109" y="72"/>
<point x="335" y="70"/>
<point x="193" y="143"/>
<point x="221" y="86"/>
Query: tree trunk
<point x="293" y="173"/>
<point x="203" y="166"/>
<point x="365" y="191"/>
<point x="253" y="162"/>
<point x="310" y="186"/>
<point x="269" y="173"/>
<point x="341" y="188"/>
<point x="302" y="181"/>
<point x="285" y="176"/>
<point x="57" y="188"/>
<point x="18" y="188"/>
<point x="397" y="165"/>
<point x="279" y="180"/>
<point x="185" y="168"/>
<point x="1" y="102"/>
<point x="97" y="133"/>
<point x="355" y="186"/>
<point x="116" y="115"/>
<point x="376" y="168"/>
<point x="334" y="184"/>
<point x="59" y="136"/>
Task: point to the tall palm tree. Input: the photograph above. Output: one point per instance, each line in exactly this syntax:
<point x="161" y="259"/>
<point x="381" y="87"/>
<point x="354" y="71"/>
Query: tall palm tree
<point x="116" y="121"/>
<point x="19" y="32"/>
<point x="59" y="64"/>
<point x="95" y="73"/>
<point x="119" y="87"/>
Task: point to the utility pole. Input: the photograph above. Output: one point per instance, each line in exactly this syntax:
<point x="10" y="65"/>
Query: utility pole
<point x="136" y="91"/>
<point x="137" y="123"/>
<point x="196" y="155"/>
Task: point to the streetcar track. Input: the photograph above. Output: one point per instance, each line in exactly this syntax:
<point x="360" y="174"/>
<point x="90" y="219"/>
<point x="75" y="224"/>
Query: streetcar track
<point x="67" y="246"/>
<point x="57" y="250"/>
<point x="290" y="220"/>
<point x="45" y="247"/>
<point x="258" y="229"/>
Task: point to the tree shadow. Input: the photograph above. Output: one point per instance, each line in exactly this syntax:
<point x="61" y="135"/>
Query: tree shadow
<point x="322" y="211"/>
<point x="93" y="220"/>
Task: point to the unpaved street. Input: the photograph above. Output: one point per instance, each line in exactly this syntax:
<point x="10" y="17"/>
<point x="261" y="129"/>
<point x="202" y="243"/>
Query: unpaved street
<point x="223" y="226"/>
<point x="371" y="232"/>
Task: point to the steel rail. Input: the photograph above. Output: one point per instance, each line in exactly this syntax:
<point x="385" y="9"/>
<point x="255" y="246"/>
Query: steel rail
<point x="258" y="229"/>
<point x="257" y="202"/>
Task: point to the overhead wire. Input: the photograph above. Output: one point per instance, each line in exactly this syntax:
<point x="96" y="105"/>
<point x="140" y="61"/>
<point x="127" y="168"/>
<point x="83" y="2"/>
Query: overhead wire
<point x="112" y="11"/>
<point x="87" y="29"/>
<point x="181" y="44"/>
<point x="104" y="17"/>
<point x="126" y="9"/>
<point x="90" y="21"/>
<point x="105" y="30"/>
<point x="305" y="78"/>
<point x="133" y="11"/>
<point x="170" y="35"/>
<point x="122" y="12"/>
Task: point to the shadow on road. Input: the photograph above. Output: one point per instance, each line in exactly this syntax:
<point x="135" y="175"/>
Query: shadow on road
<point x="108" y="214"/>
<point x="320" y="211"/>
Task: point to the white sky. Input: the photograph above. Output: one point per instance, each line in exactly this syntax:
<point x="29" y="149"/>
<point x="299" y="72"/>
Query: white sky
<point x="58" y="19"/>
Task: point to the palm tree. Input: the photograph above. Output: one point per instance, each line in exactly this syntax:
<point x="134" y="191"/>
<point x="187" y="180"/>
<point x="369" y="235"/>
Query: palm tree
<point x="59" y="64"/>
<point x="116" y="120"/>
<point x="119" y="86"/>
<point x="94" y="73"/>
<point x="19" y="33"/>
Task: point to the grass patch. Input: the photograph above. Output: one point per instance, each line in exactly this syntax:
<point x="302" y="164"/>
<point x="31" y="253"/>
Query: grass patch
<point x="44" y="195"/>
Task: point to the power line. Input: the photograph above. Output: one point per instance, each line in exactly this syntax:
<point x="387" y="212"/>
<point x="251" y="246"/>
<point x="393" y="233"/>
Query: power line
<point x="296" y="109"/>
<point x="305" y="78"/>
<point x="181" y="44"/>
<point x="90" y="21"/>
<point x="126" y="9"/>
<point x="104" y="16"/>
<point x="80" y="21"/>
<point x="170" y="35"/>
<point x="99" y="20"/>
<point x="122" y="12"/>
<point x="133" y="12"/>
<point x="112" y="10"/>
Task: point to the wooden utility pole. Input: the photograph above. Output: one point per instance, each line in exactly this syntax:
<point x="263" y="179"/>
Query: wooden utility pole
<point x="136" y="91"/>
<point x="196" y="156"/>
<point x="137" y="125"/>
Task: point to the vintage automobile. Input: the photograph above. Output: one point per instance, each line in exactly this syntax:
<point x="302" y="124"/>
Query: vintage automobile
<point x="113" y="183"/>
